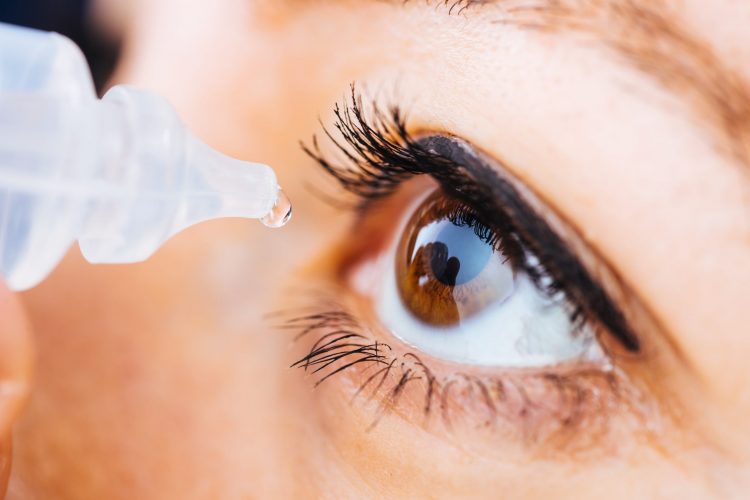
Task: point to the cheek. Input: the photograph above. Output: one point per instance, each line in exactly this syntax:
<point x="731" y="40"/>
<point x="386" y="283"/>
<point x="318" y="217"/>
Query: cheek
<point x="15" y="373"/>
<point x="6" y="452"/>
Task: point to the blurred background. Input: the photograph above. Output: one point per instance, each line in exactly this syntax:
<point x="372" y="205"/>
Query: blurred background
<point x="96" y="26"/>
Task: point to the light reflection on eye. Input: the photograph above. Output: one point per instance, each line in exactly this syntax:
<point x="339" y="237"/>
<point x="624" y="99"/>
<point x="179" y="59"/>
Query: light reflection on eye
<point x="447" y="266"/>
<point x="448" y="288"/>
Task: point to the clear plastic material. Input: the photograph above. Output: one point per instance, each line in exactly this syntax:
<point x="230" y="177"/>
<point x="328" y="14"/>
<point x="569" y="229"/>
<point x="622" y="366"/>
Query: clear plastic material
<point x="280" y="213"/>
<point x="120" y="175"/>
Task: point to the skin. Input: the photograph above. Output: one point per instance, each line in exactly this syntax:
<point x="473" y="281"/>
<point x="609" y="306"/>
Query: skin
<point x="163" y="380"/>
<point x="15" y="374"/>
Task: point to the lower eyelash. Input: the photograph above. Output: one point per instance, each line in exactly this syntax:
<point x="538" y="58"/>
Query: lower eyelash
<point x="566" y="408"/>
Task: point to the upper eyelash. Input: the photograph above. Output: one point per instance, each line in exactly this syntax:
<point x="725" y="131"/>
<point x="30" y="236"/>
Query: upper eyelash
<point x="508" y="245"/>
<point x="380" y="147"/>
<point x="385" y="155"/>
<point x="380" y="154"/>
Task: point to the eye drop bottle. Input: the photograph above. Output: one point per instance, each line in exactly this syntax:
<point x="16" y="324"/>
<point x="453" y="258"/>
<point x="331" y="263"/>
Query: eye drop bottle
<point x="120" y="174"/>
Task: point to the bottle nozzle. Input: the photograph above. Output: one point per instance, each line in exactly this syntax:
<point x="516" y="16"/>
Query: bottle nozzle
<point x="280" y="213"/>
<point x="172" y="180"/>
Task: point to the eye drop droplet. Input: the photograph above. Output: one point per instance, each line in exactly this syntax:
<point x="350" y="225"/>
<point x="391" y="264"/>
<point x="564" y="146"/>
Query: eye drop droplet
<point x="280" y="213"/>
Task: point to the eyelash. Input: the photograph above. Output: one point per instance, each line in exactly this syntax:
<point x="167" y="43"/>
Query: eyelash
<point x="559" y="411"/>
<point x="387" y="156"/>
<point x="378" y="155"/>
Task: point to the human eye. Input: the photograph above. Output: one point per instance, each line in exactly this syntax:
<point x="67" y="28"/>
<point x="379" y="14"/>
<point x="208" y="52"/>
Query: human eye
<point x="463" y="289"/>
<point x="456" y="287"/>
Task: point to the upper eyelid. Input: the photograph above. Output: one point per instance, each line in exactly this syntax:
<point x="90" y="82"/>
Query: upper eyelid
<point x="640" y="317"/>
<point x="556" y="228"/>
<point x="380" y="153"/>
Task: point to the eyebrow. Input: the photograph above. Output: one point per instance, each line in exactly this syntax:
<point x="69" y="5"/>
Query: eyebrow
<point x="651" y="38"/>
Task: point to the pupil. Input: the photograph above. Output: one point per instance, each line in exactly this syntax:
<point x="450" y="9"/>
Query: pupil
<point x="458" y="255"/>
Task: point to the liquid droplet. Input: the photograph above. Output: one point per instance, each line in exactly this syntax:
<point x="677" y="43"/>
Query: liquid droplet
<point x="280" y="213"/>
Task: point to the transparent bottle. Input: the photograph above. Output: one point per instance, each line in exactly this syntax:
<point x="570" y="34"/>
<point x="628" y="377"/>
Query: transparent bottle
<point x="120" y="175"/>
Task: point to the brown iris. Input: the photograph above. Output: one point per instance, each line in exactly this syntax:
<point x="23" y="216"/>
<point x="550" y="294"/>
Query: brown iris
<point x="448" y="266"/>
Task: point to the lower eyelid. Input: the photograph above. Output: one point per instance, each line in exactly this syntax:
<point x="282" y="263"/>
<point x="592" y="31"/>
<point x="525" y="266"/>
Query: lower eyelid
<point x="550" y="411"/>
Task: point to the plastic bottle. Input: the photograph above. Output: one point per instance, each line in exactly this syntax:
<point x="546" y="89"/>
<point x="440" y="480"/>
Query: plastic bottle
<point x="120" y="175"/>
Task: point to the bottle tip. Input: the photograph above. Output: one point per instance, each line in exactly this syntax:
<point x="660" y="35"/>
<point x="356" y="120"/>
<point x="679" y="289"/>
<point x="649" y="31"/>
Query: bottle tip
<point x="280" y="213"/>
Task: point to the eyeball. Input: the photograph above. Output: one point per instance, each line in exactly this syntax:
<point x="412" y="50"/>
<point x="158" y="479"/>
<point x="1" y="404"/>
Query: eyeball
<point x="451" y="287"/>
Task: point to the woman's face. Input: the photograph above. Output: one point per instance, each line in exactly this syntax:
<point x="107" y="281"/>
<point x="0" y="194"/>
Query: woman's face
<point x="543" y="293"/>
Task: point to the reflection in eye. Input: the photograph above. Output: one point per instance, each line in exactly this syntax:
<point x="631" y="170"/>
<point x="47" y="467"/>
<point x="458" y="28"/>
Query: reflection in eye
<point x="447" y="266"/>
<point x="455" y="294"/>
